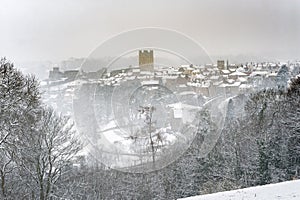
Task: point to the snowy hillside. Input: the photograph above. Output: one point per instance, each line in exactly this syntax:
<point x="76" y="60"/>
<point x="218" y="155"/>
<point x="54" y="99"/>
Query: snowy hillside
<point x="283" y="191"/>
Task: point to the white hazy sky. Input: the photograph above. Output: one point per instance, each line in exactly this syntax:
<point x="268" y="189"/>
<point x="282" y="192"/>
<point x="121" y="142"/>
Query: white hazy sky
<point x="54" y="30"/>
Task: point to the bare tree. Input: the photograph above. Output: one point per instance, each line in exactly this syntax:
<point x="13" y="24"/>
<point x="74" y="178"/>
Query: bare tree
<point x="147" y="112"/>
<point x="19" y="95"/>
<point x="46" y="149"/>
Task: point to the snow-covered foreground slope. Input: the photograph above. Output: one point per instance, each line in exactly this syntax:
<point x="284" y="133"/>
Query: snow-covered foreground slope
<point x="283" y="191"/>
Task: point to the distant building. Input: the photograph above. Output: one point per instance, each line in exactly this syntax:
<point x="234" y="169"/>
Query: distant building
<point x="55" y="74"/>
<point x="146" y="60"/>
<point x="71" y="74"/>
<point x="221" y="64"/>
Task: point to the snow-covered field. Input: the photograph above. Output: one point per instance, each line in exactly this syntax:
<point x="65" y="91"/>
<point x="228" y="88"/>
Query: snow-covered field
<point x="280" y="191"/>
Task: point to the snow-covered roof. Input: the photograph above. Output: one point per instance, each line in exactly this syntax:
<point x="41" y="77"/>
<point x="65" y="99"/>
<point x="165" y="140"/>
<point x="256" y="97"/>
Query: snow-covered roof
<point x="203" y="84"/>
<point x="130" y="78"/>
<point x="245" y="86"/>
<point x="240" y="69"/>
<point x="259" y="73"/>
<point x="225" y="71"/>
<point x="150" y="82"/>
<point x="188" y="93"/>
<point x="232" y="69"/>
<point x="238" y="73"/>
<point x="242" y="79"/>
<point x="235" y="84"/>
<point x="141" y="77"/>
<point x="146" y="72"/>
<point x="230" y="81"/>
<point x="272" y="74"/>
<point x="182" y="85"/>
<point x="214" y="77"/>
<point x="170" y="77"/>
<point x="200" y="76"/>
<point x="181" y="105"/>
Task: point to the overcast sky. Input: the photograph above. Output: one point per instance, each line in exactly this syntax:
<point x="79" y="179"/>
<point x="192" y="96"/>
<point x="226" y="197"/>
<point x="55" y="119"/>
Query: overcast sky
<point x="54" y="30"/>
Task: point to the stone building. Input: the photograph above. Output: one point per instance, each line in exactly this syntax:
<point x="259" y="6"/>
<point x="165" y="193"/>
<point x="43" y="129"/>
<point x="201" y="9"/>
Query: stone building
<point x="146" y="60"/>
<point x="221" y="64"/>
<point x="55" y="74"/>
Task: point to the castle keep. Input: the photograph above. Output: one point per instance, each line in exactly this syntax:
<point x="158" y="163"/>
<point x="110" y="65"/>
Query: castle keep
<point x="146" y="60"/>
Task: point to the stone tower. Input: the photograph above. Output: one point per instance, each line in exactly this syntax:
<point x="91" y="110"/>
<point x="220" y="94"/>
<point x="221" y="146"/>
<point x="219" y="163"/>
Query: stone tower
<point x="221" y="64"/>
<point x="146" y="60"/>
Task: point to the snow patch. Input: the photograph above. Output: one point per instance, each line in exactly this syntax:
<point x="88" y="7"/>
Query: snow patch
<point x="288" y="190"/>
